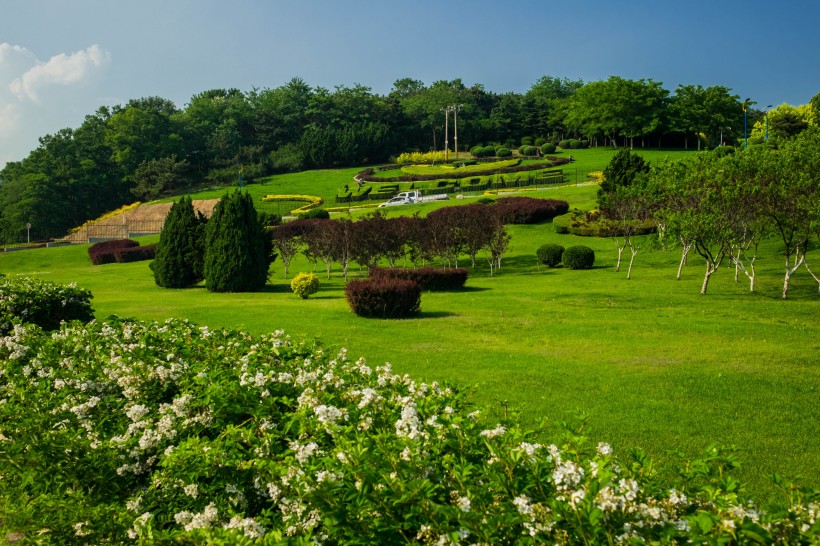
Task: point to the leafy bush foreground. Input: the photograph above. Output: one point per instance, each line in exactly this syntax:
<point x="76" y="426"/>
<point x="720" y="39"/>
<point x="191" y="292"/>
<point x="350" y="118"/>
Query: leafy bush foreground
<point x="126" y="431"/>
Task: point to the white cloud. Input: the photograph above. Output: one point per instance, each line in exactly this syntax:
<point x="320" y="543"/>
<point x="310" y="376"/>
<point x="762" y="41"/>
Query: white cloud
<point x="40" y="97"/>
<point x="60" y="69"/>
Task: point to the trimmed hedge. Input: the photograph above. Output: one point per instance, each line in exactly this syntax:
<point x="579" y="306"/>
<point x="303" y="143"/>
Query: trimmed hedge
<point x="429" y="278"/>
<point x="579" y="257"/>
<point x="383" y="298"/>
<point x="528" y="210"/>
<point x="550" y="254"/>
<point x="104" y="251"/>
<point x="135" y="254"/>
<point x="46" y="304"/>
<point x="548" y="148"/>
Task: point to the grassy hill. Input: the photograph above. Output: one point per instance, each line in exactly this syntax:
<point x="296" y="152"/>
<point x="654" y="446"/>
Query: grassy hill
<point x="652" y="362"/>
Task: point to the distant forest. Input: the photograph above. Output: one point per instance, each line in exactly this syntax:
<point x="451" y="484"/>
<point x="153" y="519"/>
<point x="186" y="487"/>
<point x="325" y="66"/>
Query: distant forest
<point x="149" y="147"/>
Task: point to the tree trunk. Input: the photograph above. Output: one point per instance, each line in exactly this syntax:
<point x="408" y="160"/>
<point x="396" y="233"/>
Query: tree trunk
<point x="710" y="270"/>
<point x="817" y="280"/>
<point x="684" y="253"/>
<point x="798" y="258"/>
<point x="631" y="261"/>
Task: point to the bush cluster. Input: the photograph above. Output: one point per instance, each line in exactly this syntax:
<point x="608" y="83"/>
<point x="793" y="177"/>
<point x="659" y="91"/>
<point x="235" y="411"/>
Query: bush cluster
<point x="429" y="278"/>
<point x="579" y="257"/>
<point x="528" y="210"/>
<point x="503" y="152"/>
<point x="383" y="297"/>
<point x="305" y="285"/>
<point x="31" y="301"/>
<point x="483" y="151"/>
<point x="314" y="213"/>
<point x="573" y="143"/>
<point x="550" y="254"/>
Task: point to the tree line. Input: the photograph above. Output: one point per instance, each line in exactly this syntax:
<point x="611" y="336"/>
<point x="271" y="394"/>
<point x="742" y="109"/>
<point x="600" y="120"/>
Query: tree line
<point x="149" y="147"/>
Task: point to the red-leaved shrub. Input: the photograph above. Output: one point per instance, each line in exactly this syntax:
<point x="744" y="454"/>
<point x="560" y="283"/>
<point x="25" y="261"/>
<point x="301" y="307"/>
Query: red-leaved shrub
<point x="104" y="251"/>
<point x="383" y="298"/>
<point x="429" y="278"/>
<point x="135" y="253"/>
<point x="528" y="210"/>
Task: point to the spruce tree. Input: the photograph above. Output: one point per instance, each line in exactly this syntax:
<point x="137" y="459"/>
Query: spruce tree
<point x="181" y="247"/>
<point x="237" y="256"/>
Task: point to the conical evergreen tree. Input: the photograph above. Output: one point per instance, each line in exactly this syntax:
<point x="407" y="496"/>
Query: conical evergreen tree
<point x="181" y="247"/>
<point x="236" y="254"/>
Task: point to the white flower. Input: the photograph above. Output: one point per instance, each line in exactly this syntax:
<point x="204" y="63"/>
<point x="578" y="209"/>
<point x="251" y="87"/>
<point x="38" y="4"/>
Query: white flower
<point x="464" y="504"/>
<point x="604" y="449"/>
<point x="191" y="490"/>
<point x="497" y="431"/>
<point x="522" y="503"/>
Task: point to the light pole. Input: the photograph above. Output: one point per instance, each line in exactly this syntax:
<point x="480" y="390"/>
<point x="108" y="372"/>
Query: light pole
<point x="28" y="232"/>
<point x="456" y="108"/>
<point x="745" y="133"/>
<point x="447" y="110"/>
<point x="767" y="121"/>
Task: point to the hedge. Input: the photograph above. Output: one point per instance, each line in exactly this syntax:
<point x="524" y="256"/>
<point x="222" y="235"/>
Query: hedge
<point x="383" y="298"/>
<point x="429" y="278"/>
<point x="104" y="251"/>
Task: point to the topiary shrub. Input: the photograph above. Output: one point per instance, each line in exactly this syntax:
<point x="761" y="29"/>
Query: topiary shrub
<point x="314" y="213"/>
<point x="237" y="250"/>
<point x="526" y="141"/>
<point x="103" y="252"/>
<point x="579" y="257"/>
<point x="528" y="210"/>
<point x="383" y="298"/>
<point x="136" y="254"/>
<point x="548" y="148"/>
<point x="429" y="278"/>
<point x="46" y="304"/>
<point x="550" y="254"/>
<point x="305" y="285"/>
<point x="565" y="144"/>
<point x="540" y="141"/>
<point x="503" y="152"/>
<point x="528" y="151"/>
<point x="180" y="254"/>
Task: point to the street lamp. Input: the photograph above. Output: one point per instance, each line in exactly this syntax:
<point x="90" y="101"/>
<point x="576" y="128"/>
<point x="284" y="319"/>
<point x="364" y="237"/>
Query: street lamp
<point x="28" y="232"/>
<point x="447" y="110"/>
<point x="456" y="108"/>
<point x="767" y="121"/>
<point x="745" y="133"/>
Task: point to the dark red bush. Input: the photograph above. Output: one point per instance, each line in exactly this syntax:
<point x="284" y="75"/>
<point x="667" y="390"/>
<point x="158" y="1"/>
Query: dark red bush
<point x="528" y="210"/>
<point x="383" y="298"/>
<point x="135" y="253"/>
<point x="429" y="278"/>
<point x="104" y="251"/>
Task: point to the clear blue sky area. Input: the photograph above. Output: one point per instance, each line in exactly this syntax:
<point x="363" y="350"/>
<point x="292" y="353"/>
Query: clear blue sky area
<point x="62" y="59"/>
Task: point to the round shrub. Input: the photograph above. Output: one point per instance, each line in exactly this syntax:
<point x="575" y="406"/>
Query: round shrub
<point x="540" y="141"/>
<point x="528" y="150"/>
<point x="579" y="257"/>
<point x="383" y="298"/>
<point x="526" y="141"/>
<point x="503" y="152"/>
<point x="315" y="213"/>
<point x="305" y="284"/>
<point x="550" y="254"/>
<point x="548" y="148"/>
<point x="565" y="144"/>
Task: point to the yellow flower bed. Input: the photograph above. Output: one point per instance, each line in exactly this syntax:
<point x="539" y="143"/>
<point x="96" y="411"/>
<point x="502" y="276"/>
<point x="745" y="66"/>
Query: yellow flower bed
<point x="597" y="176"/>
<point x="418" y="157"/>
<point x="311" y="200"/>
<point x="106" y="216"/>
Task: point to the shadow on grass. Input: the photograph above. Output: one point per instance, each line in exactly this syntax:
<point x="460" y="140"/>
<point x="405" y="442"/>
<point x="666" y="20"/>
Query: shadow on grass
<point x="468" y="289"/>
<point x="435" y="314"/>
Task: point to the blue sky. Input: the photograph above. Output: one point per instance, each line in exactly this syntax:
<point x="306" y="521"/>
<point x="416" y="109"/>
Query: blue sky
<point x="62" y="59"/>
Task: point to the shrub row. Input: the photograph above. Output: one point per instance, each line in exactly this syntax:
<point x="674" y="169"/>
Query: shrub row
<point x="528" y="210"/>
<point x="429" y="278"/>
<point x="120" y="251"/>
<point x="573" y="143"/>
<point x="383" y="297"/>
<point x="46" y="304"/>
<point x="590" y="224"/>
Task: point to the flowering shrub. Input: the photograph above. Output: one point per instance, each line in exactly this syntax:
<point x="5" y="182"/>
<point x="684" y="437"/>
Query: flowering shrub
<point x="32" y="301"/>
<point x="170" y="433"/>
<point x="305" y="285"/>
<point x="421" y="157"/>
<point x="383" y="298"/>
<point x="430" y="278"/>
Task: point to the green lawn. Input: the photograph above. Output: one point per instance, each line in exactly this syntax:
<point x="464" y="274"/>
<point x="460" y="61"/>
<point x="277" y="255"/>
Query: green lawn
<point x="652" y="362"/>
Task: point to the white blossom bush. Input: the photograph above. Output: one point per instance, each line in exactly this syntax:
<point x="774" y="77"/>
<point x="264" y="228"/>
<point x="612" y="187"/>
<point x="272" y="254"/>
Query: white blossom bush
<point x="130" y="431"/>
<point x="25" y="300"/>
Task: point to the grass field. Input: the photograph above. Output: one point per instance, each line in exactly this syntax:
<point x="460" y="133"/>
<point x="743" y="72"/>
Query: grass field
<point x="652" y="362"/>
